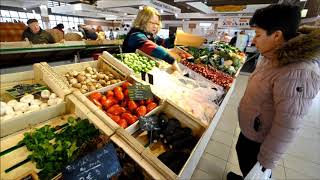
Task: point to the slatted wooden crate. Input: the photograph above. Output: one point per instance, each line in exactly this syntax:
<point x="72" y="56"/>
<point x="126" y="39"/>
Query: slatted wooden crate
<point x="39" y="75"/>
<point x="73" y="108"/>
<point x="102" y="115"/>
<point x="100" y="65"/>
<point x="150" y="153"/>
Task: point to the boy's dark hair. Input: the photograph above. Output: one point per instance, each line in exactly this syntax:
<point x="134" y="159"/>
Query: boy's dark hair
<point x="31" y="21"/>
<point x="283" y="17"/>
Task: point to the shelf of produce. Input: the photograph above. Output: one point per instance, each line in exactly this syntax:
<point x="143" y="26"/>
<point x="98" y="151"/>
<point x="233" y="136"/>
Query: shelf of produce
<point x="39" y="75"/>
<point x="100" y="109"/>
<point x="74" y="108"/>
<point x="192" y="131"/>
<point x="88" y="76"/>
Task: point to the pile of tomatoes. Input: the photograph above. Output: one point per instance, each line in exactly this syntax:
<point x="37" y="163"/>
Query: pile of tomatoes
<point x="117" y="105"/>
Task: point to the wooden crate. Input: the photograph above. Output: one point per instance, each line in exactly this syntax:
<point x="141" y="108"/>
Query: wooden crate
<point x="104" y="117"/>
<point x="16" y="44"/>
<point x="150" y="154"/>
<point x="74" y="108"/>
<point x="100" y="65"/>
<point x="112" y="42"/>
<point x="38" y="75"/>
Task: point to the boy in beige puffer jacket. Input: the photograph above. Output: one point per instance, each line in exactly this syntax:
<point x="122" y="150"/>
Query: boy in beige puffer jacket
<point x="281" y="89"/>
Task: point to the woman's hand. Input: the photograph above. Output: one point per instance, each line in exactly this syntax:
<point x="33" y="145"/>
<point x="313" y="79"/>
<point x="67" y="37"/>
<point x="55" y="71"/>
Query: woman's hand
<point x="175" y="67"/>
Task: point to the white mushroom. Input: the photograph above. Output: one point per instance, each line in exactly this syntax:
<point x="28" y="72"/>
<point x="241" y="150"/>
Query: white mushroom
<point x="34" y="108"/>
<point x="52" y="102"/>
<point x="12" y="103"/>
<point x="43" y="105"/>
<point x="21" y="106"/>
<point x="45" y="94"/>
<point x="59" y="100"/>
<point x="18" y="113"/>
<point x="36" y="102"/>
<point x="27" y="98"/>
<point x="9" y="110"/>
<point x="53" y="96"/>
<point x="3" y="108"/>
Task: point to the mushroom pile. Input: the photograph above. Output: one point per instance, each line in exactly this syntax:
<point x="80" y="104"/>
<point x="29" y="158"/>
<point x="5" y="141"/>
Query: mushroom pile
<point x="28" y="103"/>
<point x="90" y="79"/>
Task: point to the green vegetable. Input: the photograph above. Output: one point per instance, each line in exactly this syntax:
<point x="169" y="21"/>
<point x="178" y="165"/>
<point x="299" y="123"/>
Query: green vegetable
<point x="137" y="62"/>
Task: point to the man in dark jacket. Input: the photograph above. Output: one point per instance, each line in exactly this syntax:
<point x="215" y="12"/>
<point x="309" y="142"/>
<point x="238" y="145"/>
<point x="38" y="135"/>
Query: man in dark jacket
<point x="35" y="34"/>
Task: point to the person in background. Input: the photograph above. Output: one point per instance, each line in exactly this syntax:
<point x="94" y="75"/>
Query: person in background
<point x="100" y="33"/>
<point x="280" y="90"/>
<point x="60" y="27"/>
<point x="81" y="30"/>
<point x="225" y="37"/>
<point x="234" y="39"/>
<point x="35" y="34"/>
<point x="111" y="35"/>
<point x="242" y="41"/>
<point x="143" y="36"/>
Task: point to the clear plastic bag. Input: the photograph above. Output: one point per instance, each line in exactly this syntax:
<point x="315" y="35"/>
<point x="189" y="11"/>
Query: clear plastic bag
<point x="256" y="173"/>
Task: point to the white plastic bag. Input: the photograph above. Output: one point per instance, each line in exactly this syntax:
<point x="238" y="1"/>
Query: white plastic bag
<point x="256" y="173"/>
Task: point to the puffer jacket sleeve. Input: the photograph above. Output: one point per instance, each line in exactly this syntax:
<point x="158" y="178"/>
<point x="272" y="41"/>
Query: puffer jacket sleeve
<point x="293" y="93"/>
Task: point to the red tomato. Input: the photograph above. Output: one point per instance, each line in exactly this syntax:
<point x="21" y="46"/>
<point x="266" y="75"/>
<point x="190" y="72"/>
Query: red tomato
<point x="151" y="106"/>
<point x="113" y="108"/>
<point x="96" y="95"/>
<point x="126" y="93"/>
<point x="96" y="102"/>
<point x="141" y="102"/>
<point x="132" y="105"/>
<point x="148" y="101"/>
<point x="119" y="95"/>
<point x="115" y="118"/>
<point x="118" y="111"/>
<point x="109" y="93"/>
<point x="128" y="117"/>
<point x="141" y="111"/>
<point x="124" y="103"/>
<point x="117" y="89"/>
<point x="126" y="84"/>
<point x="103" y="97"/>
<point x="108" y="103"/>
<point x="135" y="117"/>
<point x="123" y="123"/>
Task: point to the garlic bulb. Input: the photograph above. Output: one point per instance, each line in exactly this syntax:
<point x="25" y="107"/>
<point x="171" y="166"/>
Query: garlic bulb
<point x="9" y="110"/>
<point x="52" y="102"/>
<point x="59" y="100"/>
<point x="20" y="106"/>
<point x="18" y="113"/>
<point x="45" y="94"/>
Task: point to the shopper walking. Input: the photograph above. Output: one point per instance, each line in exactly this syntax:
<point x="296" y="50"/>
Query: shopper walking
<point x="143" y="36"/>
<point x="281" y="89"/>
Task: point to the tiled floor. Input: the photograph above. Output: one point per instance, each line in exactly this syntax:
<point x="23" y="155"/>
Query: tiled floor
<point x="301" y="161"/>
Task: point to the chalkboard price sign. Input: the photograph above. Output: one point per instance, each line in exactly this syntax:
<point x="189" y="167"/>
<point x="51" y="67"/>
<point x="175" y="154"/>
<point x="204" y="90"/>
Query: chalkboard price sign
<point x="139" y="92"/>
<point x="101" y="164"/>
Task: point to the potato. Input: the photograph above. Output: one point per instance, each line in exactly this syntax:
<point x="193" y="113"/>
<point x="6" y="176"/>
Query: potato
<point x="88" y="75"/>
<point x="74" y="73"/>
<point x="82" y="73"/>
<point x="89" y="69"/>
<point x="100" y="76"/>
<point x="106" y="78"/>
<point x="73" y="81"/>
<point x="85" y="87"/>
<point x="92" y="88"/>
<point x="102" y="82"/>
<point x="77" y="85"/>
<point x="94" y="76"/>
<point x="83" y="91"/>
<point x="108" y="82"/>
<point x="81" y="78"/>
<point x="113" y="81"/>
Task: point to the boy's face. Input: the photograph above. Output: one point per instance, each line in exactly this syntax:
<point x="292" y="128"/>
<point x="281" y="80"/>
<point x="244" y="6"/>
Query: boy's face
<point x="35" y="28"/>
<point x="266" y="43"/>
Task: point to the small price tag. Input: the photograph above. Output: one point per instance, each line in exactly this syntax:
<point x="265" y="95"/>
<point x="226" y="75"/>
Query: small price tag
<point x="101" y="164"/>
<point x="149" y="123"/>
<point x="140" y="92"/>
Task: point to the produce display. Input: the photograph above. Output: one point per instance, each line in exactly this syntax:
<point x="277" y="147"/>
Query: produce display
<point x="137" y="62"/>
<point x="117" y="105"/>
<point x="52" y="150"/>
<point x="90" y="79"/>
<point x="178" y="140"/>
<point x="214" y="75"/>
<point x="28" y="103"/>
<point x="224" y="57"/>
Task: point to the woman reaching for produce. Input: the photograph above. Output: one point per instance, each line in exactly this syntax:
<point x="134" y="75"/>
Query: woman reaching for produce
<point x="143" y="36"/>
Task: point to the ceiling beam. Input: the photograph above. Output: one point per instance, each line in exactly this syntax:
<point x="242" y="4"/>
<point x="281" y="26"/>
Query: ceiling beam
<point x="239" y="2"/>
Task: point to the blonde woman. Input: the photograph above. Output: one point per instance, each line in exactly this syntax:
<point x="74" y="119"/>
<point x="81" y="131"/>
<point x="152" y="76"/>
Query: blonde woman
<point x="100" y="33"/>
<point x="143" y="36"/>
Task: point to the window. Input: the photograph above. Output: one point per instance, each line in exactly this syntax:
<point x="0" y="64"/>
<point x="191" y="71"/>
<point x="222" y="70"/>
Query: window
<point x="64" y="18"/>
<point x="37" y="16"/>
<point x="14" y="14"/>
<point x="30" y="16"/>
<point x="5" y="13"/>
<point x="22" y="14"/>
<point x="58" y="18"/>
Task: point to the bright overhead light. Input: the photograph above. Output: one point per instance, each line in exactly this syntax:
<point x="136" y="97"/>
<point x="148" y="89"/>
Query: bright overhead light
<point x="25" y="9"/>
<point x="125" y="14"/>
<point x="33" y="12"/>
<point x="140" y="7"/>
<point x="205" y="1"/>
<point x="176" y="14"/>
<point x="77" y="7"/>
<point x="205" y="24"/>
<point x="161" y="11"/>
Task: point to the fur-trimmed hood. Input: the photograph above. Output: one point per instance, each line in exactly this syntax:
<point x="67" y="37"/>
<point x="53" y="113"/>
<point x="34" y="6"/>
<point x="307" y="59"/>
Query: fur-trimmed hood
<point x="304" y="47"/>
